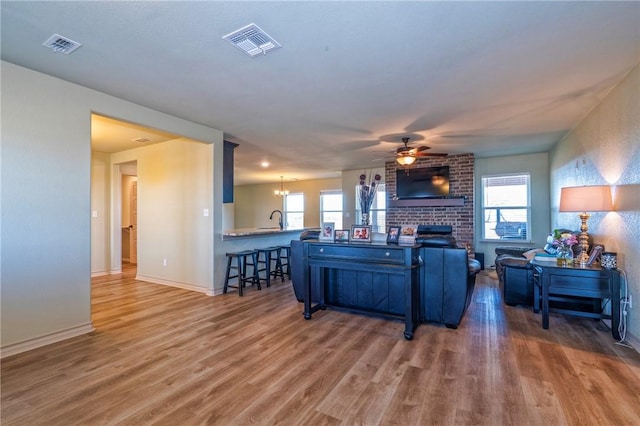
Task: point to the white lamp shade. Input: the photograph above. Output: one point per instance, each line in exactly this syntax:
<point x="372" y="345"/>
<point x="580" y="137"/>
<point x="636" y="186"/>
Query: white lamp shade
<point x="586" y="199"/>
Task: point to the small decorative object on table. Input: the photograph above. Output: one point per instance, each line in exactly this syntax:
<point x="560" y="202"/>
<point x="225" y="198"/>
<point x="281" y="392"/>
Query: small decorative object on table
<point x="342" y="236"/>
<point x="327" y="231"/>
<point x="564" y="242"/>
<point x="609" y="260"/>
<point x="393" y="234"/>
<point x="360" y="233"/>
<point x="408" y="234"/>
<point x="366" y="195"/>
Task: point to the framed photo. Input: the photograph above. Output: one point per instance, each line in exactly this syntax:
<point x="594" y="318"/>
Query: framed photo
<point x="342" y="236"/>
<point x="408" y="234"/>
<point x="595" y="255"/>
<point x="327" y="231"/>
<point x="393" y="234"/>
<point x="361" y="233"/>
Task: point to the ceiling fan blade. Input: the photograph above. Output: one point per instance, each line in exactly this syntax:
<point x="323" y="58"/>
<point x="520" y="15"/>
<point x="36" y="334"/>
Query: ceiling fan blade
<point x="422" y="148"/>
<point x="431" y="154"/>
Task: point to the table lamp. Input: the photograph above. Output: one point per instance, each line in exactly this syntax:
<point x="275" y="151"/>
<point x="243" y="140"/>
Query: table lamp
<point x="585" y="199"/>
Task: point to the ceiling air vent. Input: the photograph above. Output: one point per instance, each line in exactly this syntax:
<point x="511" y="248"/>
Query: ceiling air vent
<point x="60" y="44"/>
<point x="252" y="40"/>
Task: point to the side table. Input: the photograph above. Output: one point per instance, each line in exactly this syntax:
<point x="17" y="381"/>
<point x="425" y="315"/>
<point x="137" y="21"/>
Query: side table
<point x="553" y="282"/>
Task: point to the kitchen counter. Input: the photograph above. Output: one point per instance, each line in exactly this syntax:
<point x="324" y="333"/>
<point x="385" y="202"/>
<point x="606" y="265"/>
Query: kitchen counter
<point x="252" y="232"/>
<point x="234" y="240"/>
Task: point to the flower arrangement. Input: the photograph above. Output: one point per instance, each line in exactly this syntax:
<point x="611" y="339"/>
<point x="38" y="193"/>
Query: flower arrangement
<point x="564" y="240"/>
<point x="367" y="193"/>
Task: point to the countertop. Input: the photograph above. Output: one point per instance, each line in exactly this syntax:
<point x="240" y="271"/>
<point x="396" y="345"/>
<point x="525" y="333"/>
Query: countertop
<point x="246" y="232"/>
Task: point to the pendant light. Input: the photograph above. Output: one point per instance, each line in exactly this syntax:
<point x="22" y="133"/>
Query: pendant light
<point x="281" y="192"/>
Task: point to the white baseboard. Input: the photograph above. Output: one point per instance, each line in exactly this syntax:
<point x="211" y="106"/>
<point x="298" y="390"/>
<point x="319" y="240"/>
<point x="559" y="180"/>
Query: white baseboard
<point x="58" y="336"/>
<point x="115" y="271"/>
<point x="177" y="284"/>
<point x="99" y="274"/>
<point x="633" y="341"/>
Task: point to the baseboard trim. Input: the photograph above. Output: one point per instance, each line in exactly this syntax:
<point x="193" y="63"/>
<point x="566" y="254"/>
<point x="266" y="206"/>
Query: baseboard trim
<point x="99" y="274"/>
<point x="633" y="341"/>
<point x="58" y="336"/>
<point x="170" y="283"/>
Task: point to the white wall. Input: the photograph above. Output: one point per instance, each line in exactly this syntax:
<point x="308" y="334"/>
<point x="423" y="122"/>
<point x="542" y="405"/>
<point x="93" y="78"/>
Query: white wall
<point x="537" y="165"/>
<point x="46" y="200"/>
<point x="605" y="149"/>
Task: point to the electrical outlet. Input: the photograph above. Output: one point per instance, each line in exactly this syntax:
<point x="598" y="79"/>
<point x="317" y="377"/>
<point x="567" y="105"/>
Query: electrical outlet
<point x="164" y="262"/>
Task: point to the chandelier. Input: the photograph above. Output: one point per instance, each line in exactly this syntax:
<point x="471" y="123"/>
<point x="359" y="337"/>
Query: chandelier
<point x="281" y="192"/>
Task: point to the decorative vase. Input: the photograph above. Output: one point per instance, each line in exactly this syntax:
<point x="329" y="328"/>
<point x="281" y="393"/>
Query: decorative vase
<point x="564" y="256"/>
<point x="365" y="219"/>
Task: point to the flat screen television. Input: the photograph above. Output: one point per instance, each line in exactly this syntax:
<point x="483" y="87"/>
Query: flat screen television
<point x="425" y="182"/>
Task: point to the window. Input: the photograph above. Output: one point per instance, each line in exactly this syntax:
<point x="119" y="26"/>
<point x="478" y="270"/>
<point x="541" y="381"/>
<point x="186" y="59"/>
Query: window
<point x="378" y="210"/>
<point x="506" y="209"/>
<point x="294" y="210"/>
<point x="331" y="208"/>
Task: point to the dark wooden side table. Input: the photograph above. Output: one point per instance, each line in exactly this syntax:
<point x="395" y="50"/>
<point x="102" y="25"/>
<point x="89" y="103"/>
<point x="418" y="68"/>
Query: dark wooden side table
<point x="560" y="283"/>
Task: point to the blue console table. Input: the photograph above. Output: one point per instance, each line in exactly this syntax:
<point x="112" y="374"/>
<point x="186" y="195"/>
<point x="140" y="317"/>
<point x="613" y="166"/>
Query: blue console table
<point x="368" y="278"/>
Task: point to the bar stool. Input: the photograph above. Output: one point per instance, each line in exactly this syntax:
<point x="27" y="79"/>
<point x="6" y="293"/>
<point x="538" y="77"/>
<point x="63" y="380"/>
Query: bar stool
<point x="266" y="257"/>
<point x="285" y="258"/>
<point x="283" y="253"/>
<point x="242" y="261"/>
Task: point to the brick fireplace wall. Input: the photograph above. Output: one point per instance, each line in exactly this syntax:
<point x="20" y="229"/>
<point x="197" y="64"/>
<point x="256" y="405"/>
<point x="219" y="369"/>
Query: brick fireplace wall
<point x="432" y="212"/>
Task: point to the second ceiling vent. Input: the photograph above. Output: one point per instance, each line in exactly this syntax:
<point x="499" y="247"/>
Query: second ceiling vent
<point x="252" y="40"/>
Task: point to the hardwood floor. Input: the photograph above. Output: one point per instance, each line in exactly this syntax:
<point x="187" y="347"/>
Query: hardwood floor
<point x="166" y="356"/>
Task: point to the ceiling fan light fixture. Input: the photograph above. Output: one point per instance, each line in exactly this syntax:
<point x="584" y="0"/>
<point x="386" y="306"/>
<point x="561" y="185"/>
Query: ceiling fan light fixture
<point x="406" y="160"/>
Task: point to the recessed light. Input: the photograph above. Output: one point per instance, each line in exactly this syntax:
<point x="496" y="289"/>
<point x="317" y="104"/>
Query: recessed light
<point x="141" y="140"/>
<point x="265" y="164"/>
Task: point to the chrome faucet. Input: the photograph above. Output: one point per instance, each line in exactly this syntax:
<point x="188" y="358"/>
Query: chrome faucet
<point x="280" y="221"/>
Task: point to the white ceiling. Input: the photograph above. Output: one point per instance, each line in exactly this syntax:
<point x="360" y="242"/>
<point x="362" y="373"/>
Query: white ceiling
<point x="351" y="78"/>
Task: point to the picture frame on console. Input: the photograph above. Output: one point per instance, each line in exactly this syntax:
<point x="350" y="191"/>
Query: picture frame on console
<point x="408" y="234"/>
<point x="328" y="230"/>
<point x="360" y="233"/>
<point x="341" y="236"/>
<point x="595" y="255"/>
<point x="393" y="234"/>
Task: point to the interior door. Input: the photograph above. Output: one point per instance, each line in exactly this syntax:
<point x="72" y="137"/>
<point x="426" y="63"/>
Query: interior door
<point x="133" y="239"/>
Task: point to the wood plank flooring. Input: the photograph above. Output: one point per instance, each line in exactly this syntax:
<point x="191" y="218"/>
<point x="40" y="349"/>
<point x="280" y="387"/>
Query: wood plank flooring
<point x="166" y="356"/>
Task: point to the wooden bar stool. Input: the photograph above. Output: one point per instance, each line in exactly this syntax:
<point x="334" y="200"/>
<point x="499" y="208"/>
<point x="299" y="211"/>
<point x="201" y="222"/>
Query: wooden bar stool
<point x="243" y="259"/>
<point x="266" y="257"/>
<point x="285" y="258"/>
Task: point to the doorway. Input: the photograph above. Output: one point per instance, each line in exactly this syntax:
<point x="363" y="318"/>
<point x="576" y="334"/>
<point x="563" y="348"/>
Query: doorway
<point x="129" y="214"/>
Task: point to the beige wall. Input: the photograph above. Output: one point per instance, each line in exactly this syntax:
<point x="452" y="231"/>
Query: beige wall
<point x="46" y="201"/>
<point x="100" y="213"/>
<point x="174" y="188"/>
<point x="605" y="149"/>
<point x="254" y="203"/>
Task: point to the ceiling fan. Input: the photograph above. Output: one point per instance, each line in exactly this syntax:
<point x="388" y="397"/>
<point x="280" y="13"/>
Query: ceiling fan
<point x="407" y="156"/>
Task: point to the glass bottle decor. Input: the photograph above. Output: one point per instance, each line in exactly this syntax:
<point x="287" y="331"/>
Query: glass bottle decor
<point x="365" y="219"/>
<point x="564" y="256"/>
